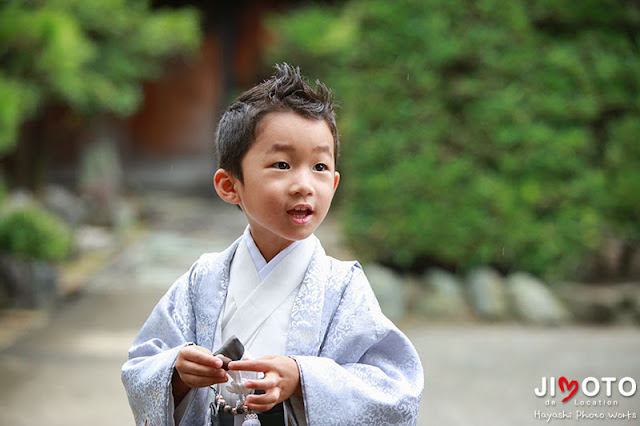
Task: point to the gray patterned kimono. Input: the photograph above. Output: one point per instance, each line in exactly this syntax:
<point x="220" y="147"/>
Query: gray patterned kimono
<point x="355" y="366"/>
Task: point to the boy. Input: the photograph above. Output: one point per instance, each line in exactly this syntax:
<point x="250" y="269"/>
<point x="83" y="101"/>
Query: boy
<point x="321" y="350"/>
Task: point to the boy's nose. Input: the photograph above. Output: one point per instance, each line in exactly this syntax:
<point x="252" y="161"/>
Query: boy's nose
<point x="301" y="185"/>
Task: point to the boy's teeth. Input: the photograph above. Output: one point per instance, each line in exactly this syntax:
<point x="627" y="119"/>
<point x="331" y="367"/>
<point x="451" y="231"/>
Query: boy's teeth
<point x="300" y="212"/>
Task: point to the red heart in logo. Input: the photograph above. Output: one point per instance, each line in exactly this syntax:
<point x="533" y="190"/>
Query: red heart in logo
<point x="562" y="382"/>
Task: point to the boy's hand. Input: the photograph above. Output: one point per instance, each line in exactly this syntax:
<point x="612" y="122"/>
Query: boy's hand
<point x="197" y="367"/>
<point x="281" y="380"/>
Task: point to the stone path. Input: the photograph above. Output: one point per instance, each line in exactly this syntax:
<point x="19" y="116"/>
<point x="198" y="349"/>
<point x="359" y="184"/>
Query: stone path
<point x="67" y="371"/>
<point x="486" y="375"/>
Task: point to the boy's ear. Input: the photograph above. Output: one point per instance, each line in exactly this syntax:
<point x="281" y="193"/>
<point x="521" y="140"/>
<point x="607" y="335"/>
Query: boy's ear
<point x="336" y="180"/>
<point x="225" y="184"/>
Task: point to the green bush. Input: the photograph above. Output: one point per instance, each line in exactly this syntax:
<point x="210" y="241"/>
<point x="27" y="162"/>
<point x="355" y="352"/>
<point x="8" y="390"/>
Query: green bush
<point x="32" y="233"/>
<point x="480" y="132"/>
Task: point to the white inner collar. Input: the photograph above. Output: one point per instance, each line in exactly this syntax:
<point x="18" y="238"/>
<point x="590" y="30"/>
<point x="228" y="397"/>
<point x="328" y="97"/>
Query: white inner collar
<point x="262" y="267"/>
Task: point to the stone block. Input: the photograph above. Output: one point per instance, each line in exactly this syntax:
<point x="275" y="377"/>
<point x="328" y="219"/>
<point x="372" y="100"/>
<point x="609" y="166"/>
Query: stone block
<point x="486" y="290"/>
<point x="533" y="303"/>
<point x="389" y="289"/>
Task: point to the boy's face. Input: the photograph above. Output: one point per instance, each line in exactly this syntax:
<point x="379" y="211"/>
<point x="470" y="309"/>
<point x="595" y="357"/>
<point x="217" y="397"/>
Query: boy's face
<point x="289" y="180"/>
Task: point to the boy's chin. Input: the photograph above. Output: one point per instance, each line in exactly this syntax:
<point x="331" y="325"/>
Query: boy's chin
<point x="302" y="234"/>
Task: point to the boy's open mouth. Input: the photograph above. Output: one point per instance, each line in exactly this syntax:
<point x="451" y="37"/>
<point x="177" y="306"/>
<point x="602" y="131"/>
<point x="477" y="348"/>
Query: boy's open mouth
<point x="300" y="214"/>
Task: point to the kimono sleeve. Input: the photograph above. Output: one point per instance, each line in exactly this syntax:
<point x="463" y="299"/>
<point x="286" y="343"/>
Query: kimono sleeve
<point x="147" y="373"/>
<point x="368" y="372"/>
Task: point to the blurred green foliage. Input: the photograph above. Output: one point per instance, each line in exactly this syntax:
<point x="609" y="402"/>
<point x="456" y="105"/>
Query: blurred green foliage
<point x="30" y="232"/>
<point x="89" y="55"/>
<point x="480" y="131"/>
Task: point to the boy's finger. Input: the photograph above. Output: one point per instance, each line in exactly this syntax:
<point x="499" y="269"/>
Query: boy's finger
<point x="250" y="365"/>
<point x="200" y="370"/>
<point x="260" y="408"/>
<point x="201" y="356"/>
<point x="259" y="402"/>
<point x="262" y="384"/>
<point x="201" y="381"/>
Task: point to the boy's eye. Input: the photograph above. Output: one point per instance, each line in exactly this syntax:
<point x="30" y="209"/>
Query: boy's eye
<point x="281" y="165"/>
<point x="320" y="167"/>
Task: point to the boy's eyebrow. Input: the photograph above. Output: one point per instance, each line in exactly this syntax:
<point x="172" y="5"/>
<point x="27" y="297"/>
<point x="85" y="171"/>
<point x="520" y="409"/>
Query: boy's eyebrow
<point x="285" y="147"/>
<point x="323" y="148"/>
<point x="280" y="147"/>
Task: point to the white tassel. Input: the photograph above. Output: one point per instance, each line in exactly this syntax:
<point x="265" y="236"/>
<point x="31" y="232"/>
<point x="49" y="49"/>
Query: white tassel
<point x="251" y="419"/>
